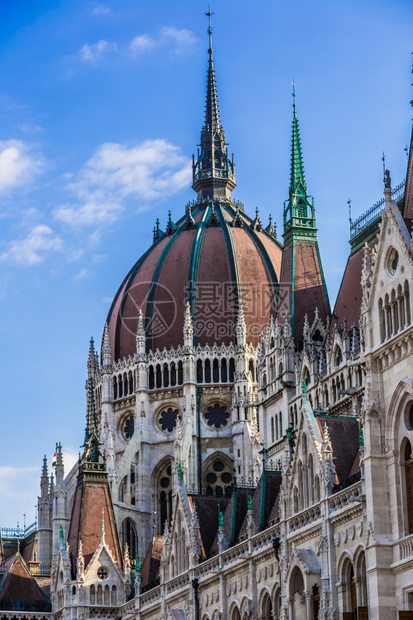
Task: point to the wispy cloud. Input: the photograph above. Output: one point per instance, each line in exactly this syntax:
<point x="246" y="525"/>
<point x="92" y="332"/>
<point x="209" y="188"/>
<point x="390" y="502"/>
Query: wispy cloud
<point x="96" y="211"/>
<point x="29" y="129"/>
<point x="142" y="43"/>
<point x="181" y="40"/>
<point x="184" y="38"/>
<point x="82" y="274"/>
<point x="33" y="248"/>
<point x="94" y="53"/>
<point x="18" y="165"/>
<point x="100" y="9"/>
<point x="151" y="170"/>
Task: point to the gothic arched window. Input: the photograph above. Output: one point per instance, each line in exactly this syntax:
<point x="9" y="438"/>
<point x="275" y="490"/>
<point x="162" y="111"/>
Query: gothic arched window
<point x="128" y="537"/>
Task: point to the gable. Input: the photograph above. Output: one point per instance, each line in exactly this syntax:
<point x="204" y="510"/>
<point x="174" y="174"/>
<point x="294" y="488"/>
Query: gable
<point x="388" y="276"/>
<point x="18" y="584"/>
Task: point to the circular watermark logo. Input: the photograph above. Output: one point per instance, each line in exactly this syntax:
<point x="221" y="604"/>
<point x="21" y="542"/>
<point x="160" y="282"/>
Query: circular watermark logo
<point x="160" y="308"/>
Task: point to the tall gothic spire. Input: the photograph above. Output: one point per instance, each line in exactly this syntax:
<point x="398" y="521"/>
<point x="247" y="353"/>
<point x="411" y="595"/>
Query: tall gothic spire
<point x="213" y="173"/>
<point x="301" y="263"/>
<point x="297" y="178"/>
<point x="299" y="212"/>
<point x="91" y="431"/>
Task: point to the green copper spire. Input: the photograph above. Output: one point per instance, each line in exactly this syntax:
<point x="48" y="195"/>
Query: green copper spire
<point x="297" y="179"/>
<point x="299" y="213"/>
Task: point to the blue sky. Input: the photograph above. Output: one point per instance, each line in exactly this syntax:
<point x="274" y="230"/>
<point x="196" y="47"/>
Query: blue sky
<point x="101" y="106"/>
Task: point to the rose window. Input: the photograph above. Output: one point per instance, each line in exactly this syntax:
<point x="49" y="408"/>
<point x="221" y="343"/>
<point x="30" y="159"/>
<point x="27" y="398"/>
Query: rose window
<point x="168" y="419"/>
<point x="102" y="573"/>
<point x="128" y="427"/>
<point x="217" y="416"/>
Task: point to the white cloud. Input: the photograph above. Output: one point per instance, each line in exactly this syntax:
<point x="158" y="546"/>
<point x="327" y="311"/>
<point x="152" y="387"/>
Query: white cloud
<point x="184" y="38"/>
<point x="148" y="171"/>
<point x="32" y="249"/>
<point x="96" y="211"/>
<point x="81" y="275"/>
<point x="30" y="129"/>
<point x="180" y="39"/>
<point x="17" y="165"/>
<point x="93" y="53"/>
<point x="100" y="9"/>
<point x="141" y="43"/>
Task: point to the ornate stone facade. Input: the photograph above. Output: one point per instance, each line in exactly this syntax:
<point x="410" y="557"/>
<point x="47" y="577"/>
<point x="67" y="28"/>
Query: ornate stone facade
<point x="251" y="476"/>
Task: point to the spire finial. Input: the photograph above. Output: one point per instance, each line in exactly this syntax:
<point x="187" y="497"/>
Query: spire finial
<point x="213" y="173"/>
<point x="209" y="15"/>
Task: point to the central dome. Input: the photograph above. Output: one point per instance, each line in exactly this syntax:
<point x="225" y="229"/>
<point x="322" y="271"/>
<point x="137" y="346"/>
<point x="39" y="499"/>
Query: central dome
<point x="215" y="257"/>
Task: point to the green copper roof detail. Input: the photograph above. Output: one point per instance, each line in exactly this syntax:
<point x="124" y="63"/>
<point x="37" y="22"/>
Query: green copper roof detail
<point x="297" y="178"/>
<point x="299" y="213"/>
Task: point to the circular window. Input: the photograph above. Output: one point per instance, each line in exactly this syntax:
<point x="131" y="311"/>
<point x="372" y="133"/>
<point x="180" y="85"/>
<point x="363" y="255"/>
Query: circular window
<point x="392" y="261"/>
<point x="217" y="416"/>
<point x="218" y="478"/>
<point x="165" y="482"/>
<point x="128" y="427"/>
<point x="103" y="573"/>
<point x="168" y="419"/>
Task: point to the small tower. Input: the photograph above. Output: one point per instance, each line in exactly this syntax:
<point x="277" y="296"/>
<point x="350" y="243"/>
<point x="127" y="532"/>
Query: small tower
<point x="301" y="262"/>
<point x="106" y="355"/>
<point x="60" y="471"/>
<point x="188" y="326"/>
<point x="140" y="335"/>
<point x="213" y="173"/>
<point x="44" y="480"/>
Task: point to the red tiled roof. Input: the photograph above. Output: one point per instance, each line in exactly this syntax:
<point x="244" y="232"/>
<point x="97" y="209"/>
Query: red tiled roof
<point x="19" y="585"/>
<point x="355" y="468"/>
<point x="238" y="502"/>
<point x="301" y="267"/>
<point x="344" y="435"/>
<point x="272" y="487"/>
<point x="207" y="510"/>
<point x="152" y="562"/>
<point x="348" y="303"/>
<point x="92" y="503"/>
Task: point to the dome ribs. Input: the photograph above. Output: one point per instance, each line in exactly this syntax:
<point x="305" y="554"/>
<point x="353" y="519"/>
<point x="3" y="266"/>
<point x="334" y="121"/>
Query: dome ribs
<point x="153" y="289"/>
<point x="211" y="266"/>
<point x="117" y="308"/>
<point x="193" y="265"/>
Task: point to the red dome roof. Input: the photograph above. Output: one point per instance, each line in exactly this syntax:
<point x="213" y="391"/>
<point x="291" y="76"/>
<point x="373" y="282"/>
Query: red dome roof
<point x="213" y="257"/>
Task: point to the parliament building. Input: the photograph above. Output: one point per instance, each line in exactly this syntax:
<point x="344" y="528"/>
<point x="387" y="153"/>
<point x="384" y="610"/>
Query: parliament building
<point x="248" y="448"/>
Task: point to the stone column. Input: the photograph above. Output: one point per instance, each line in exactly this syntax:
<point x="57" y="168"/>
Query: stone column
<point x="308" y="603"/>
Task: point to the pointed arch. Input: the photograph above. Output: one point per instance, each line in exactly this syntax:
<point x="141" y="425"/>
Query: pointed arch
<point x="162" y="485"/>
<point x="218" y="474"/>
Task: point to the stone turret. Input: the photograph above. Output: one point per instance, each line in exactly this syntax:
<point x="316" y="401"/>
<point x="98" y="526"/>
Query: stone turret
<point x="213" y="173"/>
